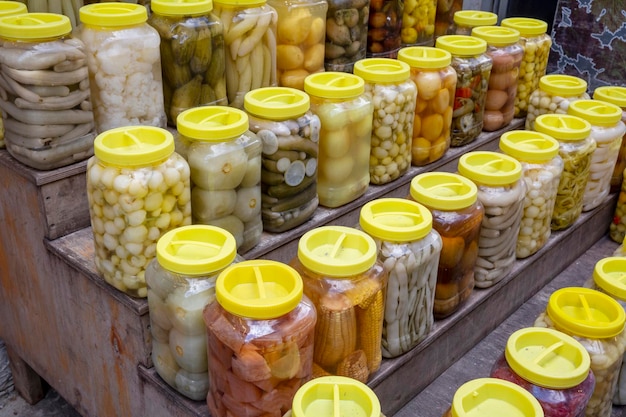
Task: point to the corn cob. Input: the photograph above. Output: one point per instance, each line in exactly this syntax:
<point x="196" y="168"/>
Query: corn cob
<point x="335" y="331"/>
<point x="354" y="366"/>
<point x="362" y="291"/>
<point x="370" y="328"/>
<point x="318" y="371"/>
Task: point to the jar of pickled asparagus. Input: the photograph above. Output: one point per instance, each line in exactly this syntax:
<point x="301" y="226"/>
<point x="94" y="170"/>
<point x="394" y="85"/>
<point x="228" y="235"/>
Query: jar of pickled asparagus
<point x="597" y="321"/>
<point x="345" y="113"/>
<point x="436" y="83"/>
<point x="225" y="162"/>
<point x="289" y="132"/>
<point x="418" y="23"/>
<point x="615" y="95"/>
<point x="138" y="189"/>
<point x="260" y="339"/>
<point x="346" y="282"/>
<point x="466" y="20"/>
<point x="501" y="191"/>
<point x="389" y="87"/>
<point x="346" y="34"/>
<point x="409" y="249"/>
<point x="457" y="216"/>
<point x="384" y="28"/>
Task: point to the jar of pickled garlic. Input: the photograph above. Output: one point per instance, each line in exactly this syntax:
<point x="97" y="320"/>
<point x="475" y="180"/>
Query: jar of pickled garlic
<point x="466" y="20"/>
<point x="501" y="191"/>
<point x="346" y="114"/>
<point x="138" y="189"/>
<point x="260" y="339"/>
<point x="225" y="162"/>
<point x="289" y="132"/>
<point x="473" y="67"/>
<point x="409" y="249"/>
<point x="347" y="22"/>
<point x="552" y="366"/>
<point x="389" y="87"/>
<point x="124" y="62"/>
<point x="418" y="23"/>
<point x="615" y="95"/>
<point x="536" y="43"/>
<point x="457" y="216"/>
<point x="346" y="282"/>
<point x="384" y="28"/>
<point x="46" y="107"/>
<point x="192" y="55"/>
<point x="436" y="83"/>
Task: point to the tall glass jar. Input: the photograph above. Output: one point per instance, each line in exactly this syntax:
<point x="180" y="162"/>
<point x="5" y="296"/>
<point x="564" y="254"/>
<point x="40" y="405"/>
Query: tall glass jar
<point x="418" y="23"/>
<point x="346" y="34"/>
<point x="384" y="28"/>
<point x="466" y="20"/>
<point x="615" y="95"/>
<point x="444" y="18"/>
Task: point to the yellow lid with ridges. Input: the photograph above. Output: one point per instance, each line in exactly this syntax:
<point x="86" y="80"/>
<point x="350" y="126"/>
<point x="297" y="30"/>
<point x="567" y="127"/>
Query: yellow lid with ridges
<point x="426" y="57"/>
<point x="475" y="18"/>
<point x="134" y="146"/>
<point x="330" y="84"/>
<point x="382" y="70"/>
<point x="563" y="126"/>
<point x="596" y="112"/>
<point x="212" y="123"/>
<point x="496" y="35"/>
<point x="443" y="191"/>
<point x="8" y="8"/>
<point x="490" y="168"/>
<point x="113" y="14"/>
<point x="181" y="7"/>
<point x="609" y="274"/>
<point x="562" y="85"/>
<point x="396" y="219"/>
<point x="611" y="94"/>
<point x="461" y="45"/>
<point x="526" y="26"/>
<point x="241" y="3"/>
<point x="276" y="103"/>
<point x="527" y="145"/>
<point x="34" y="26"/>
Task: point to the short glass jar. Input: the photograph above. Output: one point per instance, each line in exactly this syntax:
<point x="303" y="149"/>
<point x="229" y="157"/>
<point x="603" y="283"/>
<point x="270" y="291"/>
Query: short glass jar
<point x="615" y="95"/>
<point x="466" y="20"/>
<point x="384" y="28"/>
<point x="418" y="23"/>
<point x="346" y="34"/>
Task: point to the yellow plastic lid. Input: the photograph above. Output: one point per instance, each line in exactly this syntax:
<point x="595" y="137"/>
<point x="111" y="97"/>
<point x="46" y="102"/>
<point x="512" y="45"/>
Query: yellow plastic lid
<point x="609" y="274"/>
<point x="461" y="45"/>
<point x="611" y="94"/>
<point x="562" y="85"/>
<point x="12" y="8"/>
<point x="134" y="146"/>
<point x="337" y="251"/>
<point x="382" y="70"/>
<point x="396" y="219"/>
<point x="212" y="123"/>
<point x="335" y="396"/>
<point x="585" y="312"/>
<point x="443" y="190"/>
<point x="181" y="7"/>
<point x="276" y="103"/>
<point x="596" y="112"/>
<point x="547" y="357"/>
<point x="259" y="289"/>
<point x="525" y="25"/>
<point x="563" y="126"/>
<point x="113" y="14"/>
<point x="426" y="57"/>
<point x="332" y="84"/>
<point x="475" y="18"/>
<point x="34" y="26"/>
<point x="241" y="3"/>
<point x="496" y="35"/>
<point x="527" y="145"/>
<point x="490" y="168"/>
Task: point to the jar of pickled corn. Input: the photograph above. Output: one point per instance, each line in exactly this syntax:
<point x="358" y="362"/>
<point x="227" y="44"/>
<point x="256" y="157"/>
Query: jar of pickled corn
<point x="597" y="321"/>
<point x="290" y="133"/>
<point x="466" y="20"/>
<point x="418" y="23"/>
<point x="501" y="191"/>
<point x="346" y="282"/>
<point x="346" y="114"/>
<point x="260" y="339"/>
<point x="138" y="189"/>
<point x="615" y="95"/>
<point x="436" y="83"/>
<point x="389" y="87"/>
<point x="473" y="67"/>
<point x="409" y="249"/>
<point x="384" y="28"/>
<point x="225" y="162"/>
<point x="457" y="216"/>
<point x="346" y="34"/>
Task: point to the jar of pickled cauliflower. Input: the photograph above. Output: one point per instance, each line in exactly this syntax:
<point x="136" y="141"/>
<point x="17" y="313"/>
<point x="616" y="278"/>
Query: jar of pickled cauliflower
<point x="466" y="20"/>
<point x="615" y="95"/>
<point x="346" y="34"/>
<point x="384" y="28"/>
<point x="418" y="23"/>
<point x="138" y="189"/>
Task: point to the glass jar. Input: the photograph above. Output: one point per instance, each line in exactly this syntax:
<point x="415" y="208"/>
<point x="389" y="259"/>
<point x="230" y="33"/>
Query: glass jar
<point x="466" y="20"/>
<point x="384" y="28"/>
<point x="124" y="61"/>
<point x="138" y="189"/>
<point x="473" y="67"/>
<point x="389" y="87"/>
<point x="225" y="162"/>
<point x="260" y="339"/>
<point x="501" y="191"/>
<point x="290" y="133"/>
<point x="418" y="23"/>
<point x="615" y="95"/>
<point x="444" y="17"/>
<point x="457" y="215"/>
<point x="409" y="249"/>
<point x="436" y="83"/>
<point x="346" y="34"/>
<point x="346" y="282"/>
<point x="346" y="114"/>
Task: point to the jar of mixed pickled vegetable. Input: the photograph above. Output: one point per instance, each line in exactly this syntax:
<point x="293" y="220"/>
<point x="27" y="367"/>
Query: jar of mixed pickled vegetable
<point x="384" y="28"/>
<point x="615" y="95"/>
<point x="346" y="34"/>
<point x="418" y="23"/>
<point x="466" y="20"/>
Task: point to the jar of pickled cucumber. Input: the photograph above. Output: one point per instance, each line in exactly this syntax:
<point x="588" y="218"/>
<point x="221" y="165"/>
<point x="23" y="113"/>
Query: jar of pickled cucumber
<point x="501" y="191"/>
<point x="473" y="67"/>
<point x="409" y="249"/>
<point x="466" y="20"/>
<point x="346" y="282"/>
<point x="615" y="95"/>
<point x="389" y="87"/>
<point x="346" y="34"/>
<point x="181" y="283"/>
<point x="192" y="55"/>
<point x="384" y="28"/>
<point x="457" y="216"/>
<point x="597" y="321"/>
<point x="436" y="83"/>
<point x="418" y="23"/>
<point x="260" y="339"/>
<point x="290" y="133"/>
<point x="138" y="189"/>
<point x="346" y="113"/>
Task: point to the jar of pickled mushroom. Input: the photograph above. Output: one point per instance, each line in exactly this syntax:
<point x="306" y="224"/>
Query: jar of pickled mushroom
<point x="290" y="133"/>
<point x="346" y="34"/>
<point x="138" y="189"/>
<point x="225" y="162"/>
<point x="346" y="282"/>
<point x="536" y="43"/>
<point x="444" y="16"/>
<point x="457" y="215"/>
<point x="501" y="191"/>
<point x="506" y="53"/>
<point x="46" y="107"/>
<point x="418" y="23"/>
<point x="473" y="67"/>
<point x="409" y="249"/>
<point x="181" y="282"/>
<point x="615" y="95"/>
<point x="576" y="149"/>
<point x="552" y="366"/>
<point x="384" y="28"/>
<point x="436" y="83"/>
<point x="346" y="114"/>
<point x="389" y="87"/>
<point x="250" y="46"/>
<point x="192" y="55"/>
<point x="260" y="339"/>
<point x="124" y="62"/>
<point x="466" y="20"/>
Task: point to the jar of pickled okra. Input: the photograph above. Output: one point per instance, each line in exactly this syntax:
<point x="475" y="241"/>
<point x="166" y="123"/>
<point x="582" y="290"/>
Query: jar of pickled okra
<point x="466" y="20"/>
<point x="346" y="34"/>
<point x="418" y="23"/>
<point x="615" y="95"/>
<point x="384" y="28"/>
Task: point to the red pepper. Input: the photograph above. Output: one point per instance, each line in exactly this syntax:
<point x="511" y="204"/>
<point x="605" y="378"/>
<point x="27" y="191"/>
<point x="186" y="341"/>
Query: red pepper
<point x="464" y="92"/>
<point x="616" y="219"/>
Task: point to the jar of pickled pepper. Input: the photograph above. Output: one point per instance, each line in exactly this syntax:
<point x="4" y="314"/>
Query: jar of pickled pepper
<point x="418" y="23"/>
<point x="260" y="339"/>
<point x="615" y="95"/>
<point x="383" y="29"/>
<point x="346" y="34"/>
<point x="466" y="20"/>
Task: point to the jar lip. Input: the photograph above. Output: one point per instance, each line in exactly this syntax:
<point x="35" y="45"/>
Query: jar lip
<point x="113" y="14"/>
<point x="462" y="45"/>
<point x="493" y="396"/>
<point x="443" y="190"/>
<point x="427" y="57"/>
<point x="181" y="8"/>
<point x="395" y="219"/>
<point x="527" y="26"/>
<point x="332" y="84"/>
<point x="596" y="112"/>
<point x="528" y="145"/>
<point x="563" y="126"/>
<point x="608" y="275"/>
<point x="490" y="168"/>
<point x="563" y="85"/>
<point x="276" y="103"/>
<point x="134" y="146"/>
<point x="212" y="123"/>
<point x="611" y="94"/>
<point x="382" y="70"/>
<point x="34" y="26"/>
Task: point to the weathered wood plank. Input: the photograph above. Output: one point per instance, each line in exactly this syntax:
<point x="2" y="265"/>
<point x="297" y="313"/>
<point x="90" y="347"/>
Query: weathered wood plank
<point x="26" y="381"/>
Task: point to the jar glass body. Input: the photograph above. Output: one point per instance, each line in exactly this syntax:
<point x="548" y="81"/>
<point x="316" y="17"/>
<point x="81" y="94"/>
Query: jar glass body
<point x="384" y="28"/>
<point x="418" y="23"/>
<point x="533" y="67"/>
<point x="544" y="102"/>
<point x="620" y="164"/>
<point x="346" y="34"/>
<point x="444" y="17"/>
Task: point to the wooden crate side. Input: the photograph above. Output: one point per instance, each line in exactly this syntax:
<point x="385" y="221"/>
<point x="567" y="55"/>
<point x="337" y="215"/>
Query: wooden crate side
<point x="64" y="204"/>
